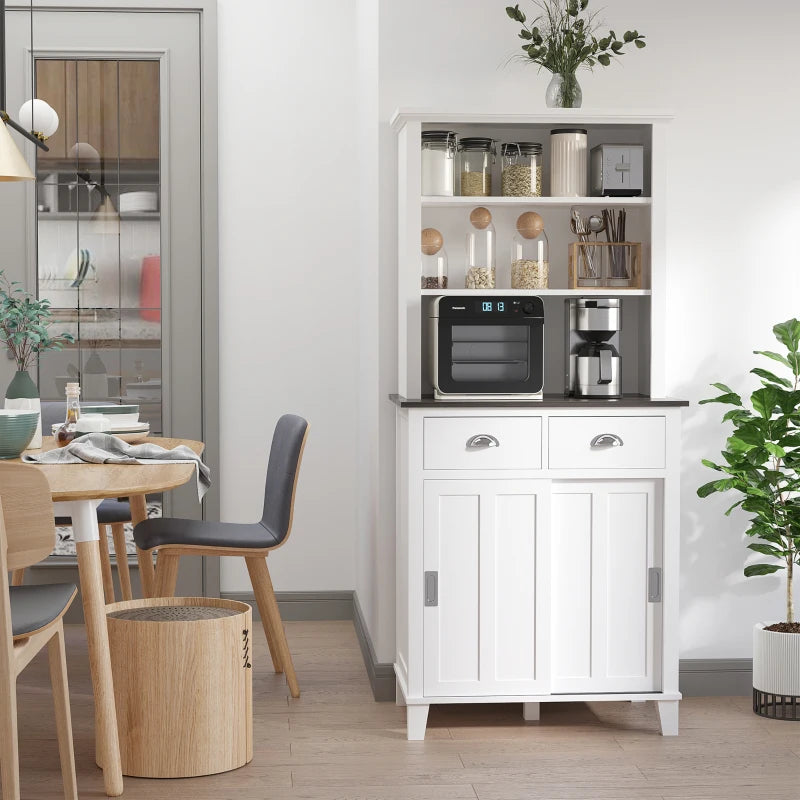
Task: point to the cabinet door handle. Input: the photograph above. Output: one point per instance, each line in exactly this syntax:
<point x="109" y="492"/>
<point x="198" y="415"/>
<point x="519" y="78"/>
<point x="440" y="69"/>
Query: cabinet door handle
<point x="432" y="588"/>
<point x="603" y="440"/>
<point x="481" y="441"/>
<point x="654" y="590"/>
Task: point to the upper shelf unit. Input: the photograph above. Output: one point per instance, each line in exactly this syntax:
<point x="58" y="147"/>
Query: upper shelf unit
<point x="450" y="216"/>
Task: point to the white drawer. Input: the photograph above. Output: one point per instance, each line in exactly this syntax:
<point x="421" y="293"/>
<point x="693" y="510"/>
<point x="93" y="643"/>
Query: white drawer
<point x="629" y="442"/>
<point x="504" y="443"/>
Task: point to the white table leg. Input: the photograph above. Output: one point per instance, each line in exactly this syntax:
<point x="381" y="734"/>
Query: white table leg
<point x="84" y="528"/>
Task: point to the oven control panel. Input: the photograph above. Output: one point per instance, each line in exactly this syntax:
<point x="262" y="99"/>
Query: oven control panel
<point x="455" y="307"/>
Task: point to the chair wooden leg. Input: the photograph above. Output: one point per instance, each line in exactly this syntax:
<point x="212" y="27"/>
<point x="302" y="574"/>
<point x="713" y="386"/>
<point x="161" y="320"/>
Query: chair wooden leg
<point x="58" y="678"/>
<point x="268" y="608"/>
<point x="121" y="552"/>
<point x="9" y="747"/>
<point x="17" y="577"/>
<point x="147" y="573"/>
<point x="105" y="563"/>
<point x="166" y="573"/>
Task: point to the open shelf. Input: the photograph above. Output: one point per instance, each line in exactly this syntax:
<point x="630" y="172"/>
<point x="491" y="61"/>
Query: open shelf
<point x="557" y="202"/>
<point x="609" y="291"/>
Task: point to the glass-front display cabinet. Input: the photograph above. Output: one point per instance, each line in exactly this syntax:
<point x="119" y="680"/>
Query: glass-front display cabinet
<point x="99" y="230"/>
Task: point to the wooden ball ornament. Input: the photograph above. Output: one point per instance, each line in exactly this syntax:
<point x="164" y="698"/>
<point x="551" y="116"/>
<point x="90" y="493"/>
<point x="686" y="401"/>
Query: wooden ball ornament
<point x="432" y="241"/>
<point x="480" y="217"/>
<point x="530" y="224"/>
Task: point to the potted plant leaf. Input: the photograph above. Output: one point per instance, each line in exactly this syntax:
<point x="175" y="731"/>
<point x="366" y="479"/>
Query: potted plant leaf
<point x="563" y="37"/>
<point x="24" y="330"/>
<point x="761" y="462"/>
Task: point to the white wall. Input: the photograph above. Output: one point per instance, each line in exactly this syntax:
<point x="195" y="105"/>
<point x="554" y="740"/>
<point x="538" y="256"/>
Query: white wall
<point x="289" y="321"/>
<point x="734" y="185"/>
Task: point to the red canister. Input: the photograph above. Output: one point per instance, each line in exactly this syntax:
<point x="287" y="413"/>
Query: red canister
<point x="150" y="289"/>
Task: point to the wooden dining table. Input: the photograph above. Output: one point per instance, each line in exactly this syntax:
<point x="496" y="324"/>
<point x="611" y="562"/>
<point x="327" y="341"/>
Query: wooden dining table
<point x="77" y="490"/>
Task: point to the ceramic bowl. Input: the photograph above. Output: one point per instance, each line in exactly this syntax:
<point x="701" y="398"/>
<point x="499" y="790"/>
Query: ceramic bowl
<point x="16" y="431"/>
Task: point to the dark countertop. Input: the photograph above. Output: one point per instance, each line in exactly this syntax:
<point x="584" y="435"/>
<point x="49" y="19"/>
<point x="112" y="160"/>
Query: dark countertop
<point x="549" y="401"/>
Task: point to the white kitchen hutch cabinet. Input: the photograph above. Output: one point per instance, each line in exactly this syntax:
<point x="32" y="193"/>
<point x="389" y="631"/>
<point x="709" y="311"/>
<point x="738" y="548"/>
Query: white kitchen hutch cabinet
<point x="544" y="568"/>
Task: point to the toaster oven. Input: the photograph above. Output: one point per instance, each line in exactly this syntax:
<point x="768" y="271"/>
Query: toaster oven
<point x="487" y="348"/>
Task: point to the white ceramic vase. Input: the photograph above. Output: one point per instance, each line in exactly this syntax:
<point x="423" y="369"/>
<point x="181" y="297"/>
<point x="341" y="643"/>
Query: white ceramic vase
<point x="24" y="395"/>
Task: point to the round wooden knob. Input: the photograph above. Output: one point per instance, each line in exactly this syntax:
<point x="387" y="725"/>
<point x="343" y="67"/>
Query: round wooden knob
<point x="480" y="217"/>
<point x="530" y="224"/>
<point x="432" y="241"/>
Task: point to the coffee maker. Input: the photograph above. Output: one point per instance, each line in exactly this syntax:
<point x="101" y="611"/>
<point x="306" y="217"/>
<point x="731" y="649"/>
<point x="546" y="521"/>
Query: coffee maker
<point x="593" y="360"/>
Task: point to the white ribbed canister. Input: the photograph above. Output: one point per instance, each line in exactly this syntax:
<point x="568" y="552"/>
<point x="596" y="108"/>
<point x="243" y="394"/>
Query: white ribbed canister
<point x="569" y="162"/>
<point x="776" y="661"/>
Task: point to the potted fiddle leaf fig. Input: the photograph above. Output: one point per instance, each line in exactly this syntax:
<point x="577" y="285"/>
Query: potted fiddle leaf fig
<point x="761" y="464"/>
<point x="24" y="330"/>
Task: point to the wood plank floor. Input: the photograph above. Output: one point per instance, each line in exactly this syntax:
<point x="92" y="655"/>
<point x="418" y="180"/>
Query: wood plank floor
<point x="336" y="743"/>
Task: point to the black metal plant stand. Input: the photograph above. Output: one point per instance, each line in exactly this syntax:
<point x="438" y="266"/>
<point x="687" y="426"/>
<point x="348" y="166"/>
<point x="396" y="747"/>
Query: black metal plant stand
<point x="776" y="706"/>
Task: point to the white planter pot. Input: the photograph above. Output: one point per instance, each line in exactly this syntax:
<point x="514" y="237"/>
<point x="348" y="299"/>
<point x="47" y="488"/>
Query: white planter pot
<point x="29" y="404"/>
<point x="776" y="661"/>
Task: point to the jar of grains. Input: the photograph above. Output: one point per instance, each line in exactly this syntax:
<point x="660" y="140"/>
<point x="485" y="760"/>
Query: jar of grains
<point x="530" y="257"/>
<point x="477" y="156"/>
<point x="434" y="260"/>
<point x="522" y="169"/>
<point x="480" y="251"/>
<point x="438" y="163"/>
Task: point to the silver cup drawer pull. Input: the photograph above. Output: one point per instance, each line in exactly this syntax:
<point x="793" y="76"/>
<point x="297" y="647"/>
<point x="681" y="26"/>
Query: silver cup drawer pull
<point x="605" y="440"/>
<point x="481" y="441"/>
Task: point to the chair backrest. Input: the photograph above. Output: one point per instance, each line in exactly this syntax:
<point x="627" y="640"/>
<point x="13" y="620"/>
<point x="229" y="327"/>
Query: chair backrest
<point x="27" y="514"/>
<point x="285" y="455"/>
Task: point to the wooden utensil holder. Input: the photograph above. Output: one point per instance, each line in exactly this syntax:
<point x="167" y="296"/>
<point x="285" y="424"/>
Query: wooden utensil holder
<point x="605" y="265"/>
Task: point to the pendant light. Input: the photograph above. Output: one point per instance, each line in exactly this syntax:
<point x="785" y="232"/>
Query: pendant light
<point x="13" y="166"/>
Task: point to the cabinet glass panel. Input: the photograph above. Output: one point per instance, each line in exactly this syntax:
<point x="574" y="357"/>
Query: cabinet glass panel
<point x="99" y="231"/>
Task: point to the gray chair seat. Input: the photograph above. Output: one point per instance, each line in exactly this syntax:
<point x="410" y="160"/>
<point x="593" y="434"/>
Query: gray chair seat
<point x="108" y="513"/>
<point x="169" y="531"/>
<point x="35" y="607"/>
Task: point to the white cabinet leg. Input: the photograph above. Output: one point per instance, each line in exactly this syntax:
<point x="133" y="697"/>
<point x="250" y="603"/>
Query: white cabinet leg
<point x="530" y="712"/>
<point x="668" y="716"/>
<point x="399" y="700"/>
<point x="416" y="720"/>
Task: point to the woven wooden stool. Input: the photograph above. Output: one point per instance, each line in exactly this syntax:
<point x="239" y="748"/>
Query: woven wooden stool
<point x="183" y="685"/>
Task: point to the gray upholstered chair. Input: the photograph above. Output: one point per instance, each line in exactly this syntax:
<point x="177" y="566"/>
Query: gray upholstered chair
<point x="110" y="513"/>
<point x="30" y="618"/>
<point x="174" y="538"/>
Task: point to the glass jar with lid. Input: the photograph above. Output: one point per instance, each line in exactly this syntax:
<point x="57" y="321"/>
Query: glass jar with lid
<point x="438" y="163"/>
<point x="477" y="157"/>
<point x="530" y="253"/>
<point x="521" y="169"/>
<point x="481" y="251"/>
<point x="434" y="260"/>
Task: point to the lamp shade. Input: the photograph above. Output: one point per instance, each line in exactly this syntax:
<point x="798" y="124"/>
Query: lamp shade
<point x="13" y="166"/>
<point x="38" y="116"/>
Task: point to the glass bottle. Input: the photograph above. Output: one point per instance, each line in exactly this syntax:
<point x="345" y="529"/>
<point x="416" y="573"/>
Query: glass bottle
<point x="530" y="253"/>
<point x="438" y="163"/>
<point x="66" y="433"/>
<point x="477" y="156"/>
<point x="434" y="260"/>
<point x="481" y="251"/>
<point x="521" y="169"/>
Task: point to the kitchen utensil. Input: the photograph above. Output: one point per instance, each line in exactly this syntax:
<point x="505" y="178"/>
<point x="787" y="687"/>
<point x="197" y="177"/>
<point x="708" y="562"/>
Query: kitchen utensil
<point x="580" y="227"/>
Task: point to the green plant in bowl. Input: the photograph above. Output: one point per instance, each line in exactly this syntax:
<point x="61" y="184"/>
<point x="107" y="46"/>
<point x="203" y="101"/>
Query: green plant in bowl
<point x="16" y="431"/>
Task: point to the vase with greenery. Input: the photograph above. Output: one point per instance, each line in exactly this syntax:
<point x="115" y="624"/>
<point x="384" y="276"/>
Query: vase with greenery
<point x="24" y="330"/>
<point x="563" y="37"/>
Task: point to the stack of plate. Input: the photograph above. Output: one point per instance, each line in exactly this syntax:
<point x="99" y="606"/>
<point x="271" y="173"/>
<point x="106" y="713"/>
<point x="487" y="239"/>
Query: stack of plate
<point x="138" y="201"/>
<point x="121" y="421"/>
<point x="117" y="415"/>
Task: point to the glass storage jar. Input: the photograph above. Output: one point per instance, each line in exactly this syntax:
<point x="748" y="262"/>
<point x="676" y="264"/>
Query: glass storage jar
<point x="477" y="156"/>
<point x="521" y="169"/>
<point x="438" y="163"/>
<point x="530" y="253"/>
<point x="434" y="260"/>
<point x="481" y="251"/>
